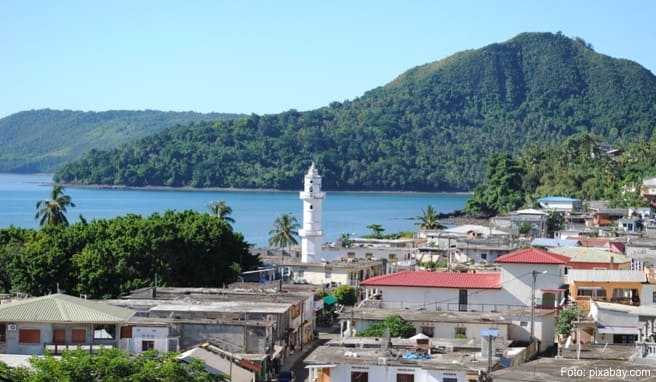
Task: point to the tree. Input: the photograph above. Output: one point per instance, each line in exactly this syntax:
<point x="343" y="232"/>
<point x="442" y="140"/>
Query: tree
<point x="376" y="231"/>
<point x="284" y="232"/>
<point x="111" y="365"/>
<point x="110" y="257"/>
<point x="53" y="211"/>
<point x="525" y="229"/>
<point x="345" y="239"/>
<point x="565" y="318"/>
<point x="397" y="326"/>
<point x="503" y="189"/>
<point x="429" y="219"/>
<point x="345" y="295"/>
<point x="554" y="223"/>
<point x="221" y="210"/>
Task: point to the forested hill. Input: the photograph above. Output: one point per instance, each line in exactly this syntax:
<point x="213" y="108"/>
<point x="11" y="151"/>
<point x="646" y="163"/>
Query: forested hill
<point x="42" y="140"/>
<point x="431" y="128"/>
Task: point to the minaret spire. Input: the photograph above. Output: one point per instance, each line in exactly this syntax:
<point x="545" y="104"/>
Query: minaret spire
<point x="312" y="233"/>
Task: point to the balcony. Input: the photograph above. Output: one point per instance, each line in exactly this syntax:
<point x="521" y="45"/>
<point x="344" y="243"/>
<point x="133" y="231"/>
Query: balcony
<point x="58" y="349"/>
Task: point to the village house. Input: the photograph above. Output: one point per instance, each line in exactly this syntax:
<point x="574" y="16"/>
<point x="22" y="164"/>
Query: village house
<point x="622" y="324"/>
<point x="58" y="322"/>
<point x="396" y="360"/>
<point x="512" y="286"/>
<point x="233" y="366"/>
<point x="460" y="328"/>
<point x="561" y="204"/>
<point x="618" y="286"/>
<point x="534" y="219"/>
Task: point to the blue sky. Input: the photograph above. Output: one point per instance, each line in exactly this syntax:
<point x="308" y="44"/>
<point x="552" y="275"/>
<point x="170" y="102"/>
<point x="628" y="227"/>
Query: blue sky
<point x="268" y="56"/>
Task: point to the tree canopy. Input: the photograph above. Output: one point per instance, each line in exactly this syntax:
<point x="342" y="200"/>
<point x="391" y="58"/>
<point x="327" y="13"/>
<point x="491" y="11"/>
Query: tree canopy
<point x="108" y="365"/>
<point x="42" y="140"/>
<point x="107" y="258"/>
<point x="432" y="128"/>
<point x="579" y="167"/>
<point x="397" y="326"/>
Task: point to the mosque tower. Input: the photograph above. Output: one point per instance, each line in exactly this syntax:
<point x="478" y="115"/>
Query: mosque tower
<point x="311" y="234"/>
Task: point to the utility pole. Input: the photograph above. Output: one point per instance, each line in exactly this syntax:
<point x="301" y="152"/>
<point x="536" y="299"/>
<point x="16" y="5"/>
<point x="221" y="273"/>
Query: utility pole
<point x="578" y="335"/>
<point x="535" y="276"/>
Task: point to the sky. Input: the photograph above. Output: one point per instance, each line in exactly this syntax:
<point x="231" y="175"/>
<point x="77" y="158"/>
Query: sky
<point x="268" y="56"/>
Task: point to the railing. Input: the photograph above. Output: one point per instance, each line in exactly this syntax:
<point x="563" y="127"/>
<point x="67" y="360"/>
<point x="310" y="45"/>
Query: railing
<point x="451" y="307"/>
<point x="161" y="344"/>
<point x="56" y="349"/>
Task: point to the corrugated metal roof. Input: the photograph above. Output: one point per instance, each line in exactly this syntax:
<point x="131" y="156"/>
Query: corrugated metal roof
<point x="62" y="308"/>
<point x="590" y="255"/>
<point x="532" y="256"/>
<point x="482" y="280"/>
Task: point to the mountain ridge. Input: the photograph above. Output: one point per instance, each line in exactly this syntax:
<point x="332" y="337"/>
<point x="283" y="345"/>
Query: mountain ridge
<point x="429" y="129"/>
<point x="30" y="147"/>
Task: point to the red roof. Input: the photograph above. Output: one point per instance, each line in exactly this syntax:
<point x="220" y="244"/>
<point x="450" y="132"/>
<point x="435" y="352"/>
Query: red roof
<point x="484" y="280"/>
<point x="532" y="256"/>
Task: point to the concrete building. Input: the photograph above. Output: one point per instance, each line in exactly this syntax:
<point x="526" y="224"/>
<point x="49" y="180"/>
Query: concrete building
<point x="459" y="328"/>
<point x="535" y="219"/>
<point x="512" y="286"/>
<point x="561" y="204"/>
<point x="229" y="365"/>
<point x="618" y="286"/>
<point x="411" y="360"/>
<point x="58" y="322"/>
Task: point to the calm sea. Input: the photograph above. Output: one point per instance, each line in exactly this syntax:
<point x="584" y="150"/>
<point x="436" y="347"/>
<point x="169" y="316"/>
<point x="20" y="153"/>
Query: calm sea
<point x="254" y="211"/>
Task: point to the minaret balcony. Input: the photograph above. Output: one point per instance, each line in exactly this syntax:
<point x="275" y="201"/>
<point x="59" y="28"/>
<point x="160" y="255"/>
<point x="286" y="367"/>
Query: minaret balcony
<point x="310" y="232"/>
<point x="311" y="195"/>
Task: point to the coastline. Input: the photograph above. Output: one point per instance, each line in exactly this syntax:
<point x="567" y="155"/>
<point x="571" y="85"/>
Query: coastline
<point x="227" y="189"/>
<point x="230" y="189"/>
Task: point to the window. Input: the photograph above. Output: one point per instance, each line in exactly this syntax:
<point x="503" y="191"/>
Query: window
<point x="311" y="206"/>
<point x="427" y="330"/>
<point x="523" y="324"/>
<point x="653" y="299"/>
<point x="405" y="378"/>
<point x="359" y="376"/>
<point x="29" y="336"/>
<point x="461" y="333"/>
<point x="3" y="332"/>
<point x="147" y="345"/>
<point x="126" y="332"/>
<point x="449" y="379"/>
<point x="104" y="332"/>
<point x="78" y="336"/>
<point x="59" y="336"/>
<point x="483" y="256"/>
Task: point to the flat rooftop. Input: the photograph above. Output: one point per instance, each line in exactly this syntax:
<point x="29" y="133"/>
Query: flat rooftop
<point x="454" y="361"/>
<point x="426" y="316"/>
<point x="556" y="370"/>
<point x="355" y="263"/>
<point x="291" y="295"/>
<point x="226" y="307"/>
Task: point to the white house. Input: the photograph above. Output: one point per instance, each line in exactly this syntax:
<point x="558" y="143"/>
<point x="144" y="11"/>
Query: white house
<point x="560" y="203"/>
<point x="481" y="291"/>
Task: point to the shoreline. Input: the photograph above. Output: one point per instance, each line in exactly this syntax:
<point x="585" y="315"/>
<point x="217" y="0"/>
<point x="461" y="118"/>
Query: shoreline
<point x="230" y="189"/>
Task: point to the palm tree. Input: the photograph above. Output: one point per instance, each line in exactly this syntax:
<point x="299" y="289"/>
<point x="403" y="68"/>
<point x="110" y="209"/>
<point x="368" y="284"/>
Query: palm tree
<point x="283" y="235"/>
<point x="376" y="230"/>
<point x="221" y="210"/>
<point x="53" y="211"/>
<point x="429" y="219"/>
<point x="345" y="239"/>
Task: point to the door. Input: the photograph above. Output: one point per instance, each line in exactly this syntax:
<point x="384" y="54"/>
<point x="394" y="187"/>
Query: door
<point x="462" y="300"/>
<point x="548" y="300"/>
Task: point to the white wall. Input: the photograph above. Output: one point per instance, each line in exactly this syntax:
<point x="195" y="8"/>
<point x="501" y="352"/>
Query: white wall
<point x="342" y="373"/>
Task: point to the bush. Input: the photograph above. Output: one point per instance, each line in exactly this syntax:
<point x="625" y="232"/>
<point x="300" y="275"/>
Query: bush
<point x="397" y="326"/>
<point x="345" y="295"/>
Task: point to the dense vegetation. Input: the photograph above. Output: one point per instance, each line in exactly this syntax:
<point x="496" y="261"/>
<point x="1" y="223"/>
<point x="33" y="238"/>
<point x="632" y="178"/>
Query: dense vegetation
<point x="107" y="258"/>
<point x="577" y="167"/>
<point x="108" y="365"/>
<point x="432" y="128"/>
<point x="42" y="140"/>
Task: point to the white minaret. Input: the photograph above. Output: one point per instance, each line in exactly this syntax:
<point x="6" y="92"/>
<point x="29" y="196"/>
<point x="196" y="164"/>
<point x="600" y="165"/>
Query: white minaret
<point x="311" y="234"/>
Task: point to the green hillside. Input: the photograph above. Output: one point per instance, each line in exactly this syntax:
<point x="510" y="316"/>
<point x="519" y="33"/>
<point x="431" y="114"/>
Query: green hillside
<point x="432" y="128"/>
<point x="42" y="140"/>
